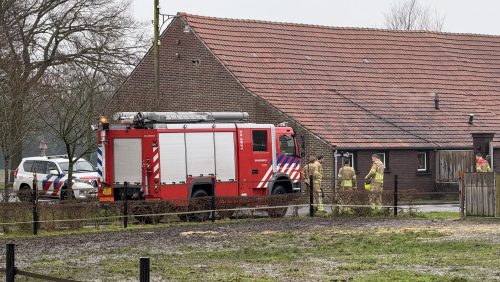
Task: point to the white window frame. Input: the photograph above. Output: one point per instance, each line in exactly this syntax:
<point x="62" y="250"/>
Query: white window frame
<point x="350" y="157"/>
<point x="425" y="162"/>
<point x="382" y="158"/>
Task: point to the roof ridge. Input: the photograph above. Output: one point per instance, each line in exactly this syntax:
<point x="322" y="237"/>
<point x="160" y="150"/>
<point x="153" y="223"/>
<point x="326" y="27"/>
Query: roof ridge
<point x="186" y="15"/>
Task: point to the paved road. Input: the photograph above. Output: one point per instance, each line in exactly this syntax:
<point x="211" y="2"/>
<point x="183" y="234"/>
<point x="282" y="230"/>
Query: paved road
<point x="435" y="208"/>
<point x="417" y="208"/>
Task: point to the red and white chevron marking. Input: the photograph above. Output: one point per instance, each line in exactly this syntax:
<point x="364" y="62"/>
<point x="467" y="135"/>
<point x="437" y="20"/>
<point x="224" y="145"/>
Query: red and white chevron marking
<point x="293" y="171"/>
<point x="156" y="162"/>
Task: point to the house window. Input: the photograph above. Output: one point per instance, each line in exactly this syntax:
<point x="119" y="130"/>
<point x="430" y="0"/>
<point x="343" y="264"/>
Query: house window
<point x="422" y="161"/>
<point x="259" y="140"/>
<point x="351" y="156"/>
<point x="384" y="158"/>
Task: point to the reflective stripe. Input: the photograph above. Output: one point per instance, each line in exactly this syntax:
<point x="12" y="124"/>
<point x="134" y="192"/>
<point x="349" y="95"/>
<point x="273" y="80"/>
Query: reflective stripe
<point x="347" y="183"/>
<point x="99" y="161"/>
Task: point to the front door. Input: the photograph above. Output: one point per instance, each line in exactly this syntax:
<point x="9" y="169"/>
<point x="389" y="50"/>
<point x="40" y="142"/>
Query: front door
<point x="261" y="161"/>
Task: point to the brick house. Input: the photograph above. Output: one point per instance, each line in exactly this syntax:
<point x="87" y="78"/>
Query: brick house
<point x="405" y="95"/>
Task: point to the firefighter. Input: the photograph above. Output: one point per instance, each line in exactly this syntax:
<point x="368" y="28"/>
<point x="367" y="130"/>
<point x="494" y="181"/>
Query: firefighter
<point x="482" y="165"/>
<point x="318" y="163"/>
<point x="347" y="176"/>
<point x="307" y="170"/>
<point x="376" y="178"/>
<point x="347" y="181"/>
<point x="312" y="168"/>
<point x="321" y="195"/>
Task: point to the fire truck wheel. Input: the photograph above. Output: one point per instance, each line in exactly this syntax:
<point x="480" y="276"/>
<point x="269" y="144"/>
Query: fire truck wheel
<point x="24" y="194"/>
<point x="141" y="210"/>
<point x="278" y="212"/>
<point x="200" y="204"/>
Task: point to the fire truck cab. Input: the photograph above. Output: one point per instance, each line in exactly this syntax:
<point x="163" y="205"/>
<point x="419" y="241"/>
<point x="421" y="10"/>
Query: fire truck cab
<point x="183" y="155"/>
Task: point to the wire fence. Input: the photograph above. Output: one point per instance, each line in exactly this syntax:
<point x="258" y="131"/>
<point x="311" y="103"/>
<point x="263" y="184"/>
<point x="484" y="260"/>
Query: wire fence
<point x="23" y="212"/>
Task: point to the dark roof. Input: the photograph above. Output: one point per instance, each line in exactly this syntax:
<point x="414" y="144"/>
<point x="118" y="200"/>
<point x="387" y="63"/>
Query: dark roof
<point x="360" y="88"/>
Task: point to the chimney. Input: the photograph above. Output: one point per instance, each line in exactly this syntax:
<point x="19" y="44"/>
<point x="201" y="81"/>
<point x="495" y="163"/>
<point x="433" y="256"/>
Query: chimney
<point x="436" y="101"/>
<point x="481" y="142"/>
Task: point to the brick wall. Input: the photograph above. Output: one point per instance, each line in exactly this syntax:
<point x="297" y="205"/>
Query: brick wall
<point x="192" y="79"/>
<point x="402" y="163"/>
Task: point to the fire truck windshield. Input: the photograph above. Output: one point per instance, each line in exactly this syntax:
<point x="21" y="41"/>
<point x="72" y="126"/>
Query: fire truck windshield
<point x="287" y="145"/>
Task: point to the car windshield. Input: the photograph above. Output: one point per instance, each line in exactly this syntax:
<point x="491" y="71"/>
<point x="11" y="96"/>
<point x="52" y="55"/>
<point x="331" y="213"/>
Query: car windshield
<point x="79" y="166"/>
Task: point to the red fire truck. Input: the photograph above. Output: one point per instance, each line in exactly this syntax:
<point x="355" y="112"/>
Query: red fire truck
<point x="185" y="155"/>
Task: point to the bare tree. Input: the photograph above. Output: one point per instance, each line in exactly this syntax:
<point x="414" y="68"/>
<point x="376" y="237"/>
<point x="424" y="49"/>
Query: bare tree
<point x="38" y="37"/>
<point x="412" y="15"/>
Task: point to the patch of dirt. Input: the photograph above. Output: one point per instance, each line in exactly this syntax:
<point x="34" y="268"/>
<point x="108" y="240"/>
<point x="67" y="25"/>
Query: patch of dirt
<point x="171" y="239"/>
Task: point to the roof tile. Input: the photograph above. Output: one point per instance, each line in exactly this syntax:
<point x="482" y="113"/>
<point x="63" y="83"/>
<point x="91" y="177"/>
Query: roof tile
<point x="360" y="88"/>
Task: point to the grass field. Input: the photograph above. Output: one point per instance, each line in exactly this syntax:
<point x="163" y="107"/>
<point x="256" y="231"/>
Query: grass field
<point x="428" y="248"/>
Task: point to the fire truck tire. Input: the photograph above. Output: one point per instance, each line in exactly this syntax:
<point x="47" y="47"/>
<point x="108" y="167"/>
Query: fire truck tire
<point x="141" y="210"/>
<point x="278" y="212"/>
<point x="24" y="194"/>
<point x="201" y="205"/>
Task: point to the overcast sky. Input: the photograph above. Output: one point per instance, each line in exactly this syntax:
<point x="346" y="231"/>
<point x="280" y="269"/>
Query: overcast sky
<point x="464" y="16"/>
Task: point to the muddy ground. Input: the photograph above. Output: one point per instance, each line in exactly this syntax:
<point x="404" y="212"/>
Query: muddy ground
<point x="87" y="251"/>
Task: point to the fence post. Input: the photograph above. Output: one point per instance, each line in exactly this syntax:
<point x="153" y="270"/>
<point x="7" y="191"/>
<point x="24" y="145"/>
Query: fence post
<point x="311" y="197"/>
<point x="10" y="268"/>
<point x="213" y="200"/>
<point x="34" y="205"/>
<point x="144" y="270"/>
<point x="462" y="193"/>
<point x="395" y="198"/>
<point x="125" y="204"/>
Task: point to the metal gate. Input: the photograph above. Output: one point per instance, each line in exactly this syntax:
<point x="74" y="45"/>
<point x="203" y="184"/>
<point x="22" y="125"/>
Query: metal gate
<point x="481" y="195"/>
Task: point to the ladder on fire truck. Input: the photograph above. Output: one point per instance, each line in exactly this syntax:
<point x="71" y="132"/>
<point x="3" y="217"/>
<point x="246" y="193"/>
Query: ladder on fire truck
<point x="148" y="119"/>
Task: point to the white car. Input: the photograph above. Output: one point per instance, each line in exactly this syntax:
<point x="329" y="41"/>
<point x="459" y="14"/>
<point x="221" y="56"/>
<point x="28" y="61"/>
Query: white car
<point x="52" y="179"/>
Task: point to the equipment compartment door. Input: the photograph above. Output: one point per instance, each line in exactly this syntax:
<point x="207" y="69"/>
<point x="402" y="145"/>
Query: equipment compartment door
<point x="225" y="156"/>
<point x="127" y="160"/>
<point x="200" y="154"/>
<point x="172" y="158"/>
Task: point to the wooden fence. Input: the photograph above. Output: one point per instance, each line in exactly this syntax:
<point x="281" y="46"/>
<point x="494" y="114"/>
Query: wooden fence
<point x="450" y="163"/>
<point x="482" y="197"/>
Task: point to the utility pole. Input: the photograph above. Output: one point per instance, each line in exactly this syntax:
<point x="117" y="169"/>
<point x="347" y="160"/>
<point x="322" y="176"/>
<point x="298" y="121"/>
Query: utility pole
<point x="156" y="51"/>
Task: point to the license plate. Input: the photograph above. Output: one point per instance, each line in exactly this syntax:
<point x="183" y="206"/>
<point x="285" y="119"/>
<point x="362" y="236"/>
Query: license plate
<point x="107" y="191"/>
